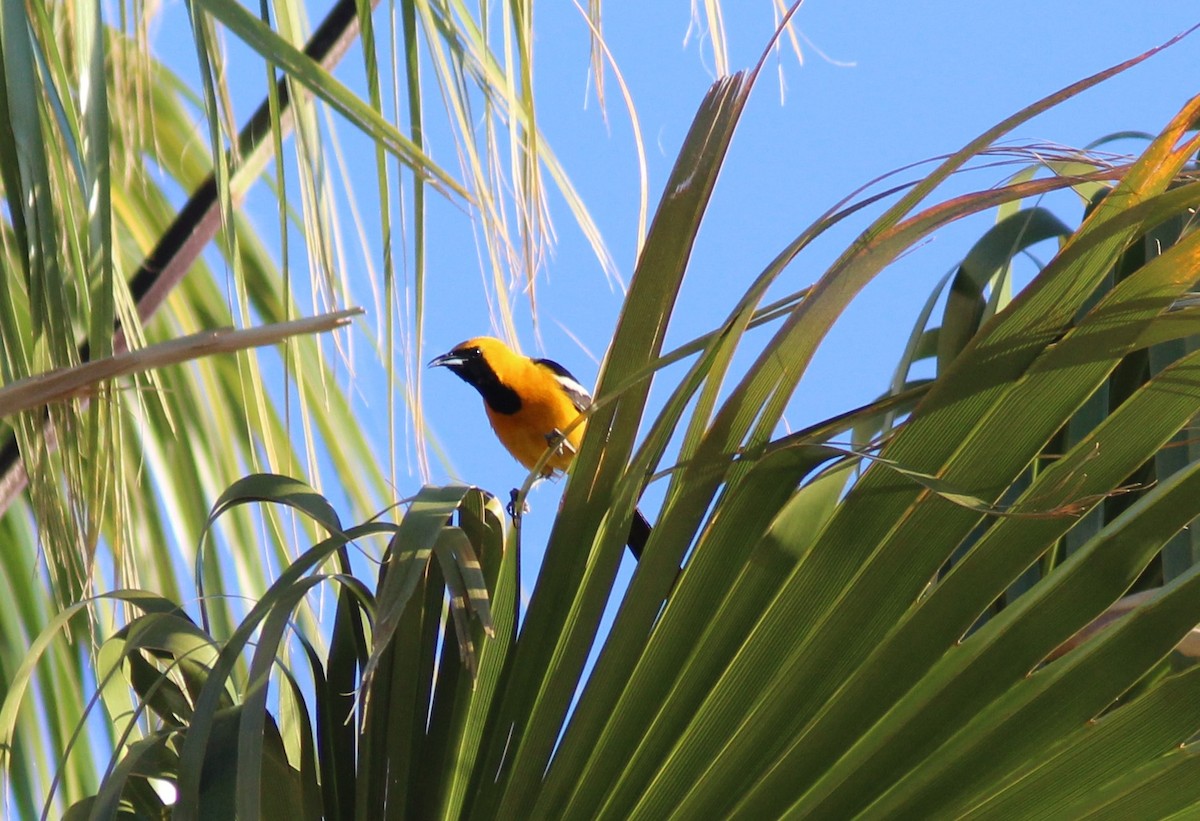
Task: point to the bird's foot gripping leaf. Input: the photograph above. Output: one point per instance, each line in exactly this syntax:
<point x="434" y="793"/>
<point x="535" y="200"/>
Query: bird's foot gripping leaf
<point x="558" y="440"/>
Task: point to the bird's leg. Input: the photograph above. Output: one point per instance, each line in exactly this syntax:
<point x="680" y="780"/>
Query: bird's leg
<point x="511" y="507"/>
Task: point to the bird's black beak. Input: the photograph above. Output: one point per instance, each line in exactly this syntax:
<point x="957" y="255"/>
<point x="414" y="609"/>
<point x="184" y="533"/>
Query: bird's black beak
<point x="446" y="360"/>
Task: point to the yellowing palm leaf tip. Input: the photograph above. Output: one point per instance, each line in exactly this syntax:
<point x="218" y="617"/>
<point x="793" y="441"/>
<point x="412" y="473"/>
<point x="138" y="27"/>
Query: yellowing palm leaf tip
<point x="532" y="404"/>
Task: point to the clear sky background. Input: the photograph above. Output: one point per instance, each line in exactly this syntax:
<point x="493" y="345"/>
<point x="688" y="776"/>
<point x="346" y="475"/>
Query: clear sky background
<point x="925" y="79"/>
<point x="902" y="82"/>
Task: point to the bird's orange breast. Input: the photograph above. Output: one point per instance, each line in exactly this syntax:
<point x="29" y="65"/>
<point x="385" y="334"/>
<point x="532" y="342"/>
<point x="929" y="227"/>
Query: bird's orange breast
<point x="545" y="412"/>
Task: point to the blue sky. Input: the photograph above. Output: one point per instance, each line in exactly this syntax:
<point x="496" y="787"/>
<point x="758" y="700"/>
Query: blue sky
<point x="924" y="79"/>
<point x="902" y="83"/>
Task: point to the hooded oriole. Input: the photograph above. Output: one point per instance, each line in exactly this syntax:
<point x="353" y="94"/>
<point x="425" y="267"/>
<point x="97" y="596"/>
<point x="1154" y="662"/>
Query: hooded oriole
<point x="531" y="404"/>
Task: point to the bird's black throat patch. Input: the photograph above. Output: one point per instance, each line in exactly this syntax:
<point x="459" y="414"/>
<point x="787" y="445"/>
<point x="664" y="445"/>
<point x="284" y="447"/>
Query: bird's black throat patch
<point x="476" y="372"/>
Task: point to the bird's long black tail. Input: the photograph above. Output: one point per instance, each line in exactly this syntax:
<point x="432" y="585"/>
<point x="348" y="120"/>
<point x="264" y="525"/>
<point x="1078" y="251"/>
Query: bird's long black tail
<point x="639" y="532"/>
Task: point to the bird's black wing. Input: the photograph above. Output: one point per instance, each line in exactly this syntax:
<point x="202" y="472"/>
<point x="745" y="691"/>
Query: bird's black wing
<point x="570" y="385"/>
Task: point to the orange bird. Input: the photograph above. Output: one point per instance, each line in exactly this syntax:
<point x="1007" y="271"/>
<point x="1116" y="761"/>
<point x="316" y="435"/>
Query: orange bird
<point x="531" y="404"/>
